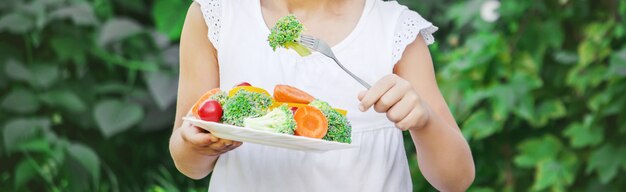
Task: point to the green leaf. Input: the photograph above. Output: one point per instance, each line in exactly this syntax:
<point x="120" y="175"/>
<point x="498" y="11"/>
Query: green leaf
<point x="17" y="71"/>
<point x="480" y="189"/>
<point x="16" y="22"/>
<point x="523" y="82"/>
<point x="557" y="174"/>
<point x="168" y="18"/>
<point x="25" y="171"/>
<point x="463" y="13"/>
<point x="480" y="125"/>
<point x="36" y="145"/>
<point x="600" y="100"/>
<point x="162" y="86"/>
<point x="39" y="75"/>
<point x="21" y="101"/>
<point x="18" y="131"/>
<point x="118" y="29"/>
<point x="44" y="75"/>
<point x="583" y="135"/>
<point x="550" y="109"/>
<point x="140" y="65"/>
<point x="65" y="99"/>
<point x="606" y="162"/>
<point x="473" y="97"/>
<point x="113" y="116"/>
<point x="87" y="158"/>
<point x="618" y="63"/>
<point x="502" y="101"/>
<point x="586" y="52"/>
<point x="596" y="45"/>
<point x="582" y="79"/>
<point x="554" y="33"/>
<point x="80" y="13"/>
<point x="535" y="150"/>
<point x="73" y="48"/>
<point x="565" y="57"/>
<point x="112" y="87"/>
<point x="526" y="109"/>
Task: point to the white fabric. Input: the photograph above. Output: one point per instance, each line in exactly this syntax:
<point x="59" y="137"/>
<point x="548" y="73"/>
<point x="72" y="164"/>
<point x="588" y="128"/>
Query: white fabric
<point x="212" y="12"/>
<point x="379" y="164"/>
<point x="409" y="26"/>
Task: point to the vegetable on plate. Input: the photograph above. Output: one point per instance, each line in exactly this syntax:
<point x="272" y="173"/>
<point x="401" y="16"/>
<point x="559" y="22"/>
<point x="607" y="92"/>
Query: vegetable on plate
<point x="289" y="111"/>
<point x="279" y="120"/>
<point x="339" y="128"/>
<point x="202" y="99"/>
<point x="289" y="94"/>
<point x="311" y="122"/>
<point x="211" y="110"/>
<point x="244" y="104"/>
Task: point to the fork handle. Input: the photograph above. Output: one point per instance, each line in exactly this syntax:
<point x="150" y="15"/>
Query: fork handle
<point x="365" y="84"/>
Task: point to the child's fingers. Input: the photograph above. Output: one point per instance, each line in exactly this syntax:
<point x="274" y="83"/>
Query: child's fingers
<point x="416" y="118"/>
<point x="405" y="123"/>
<point x="227" y="142"/>
<point x="401" y="109"/>
<point x="375" y="92"/>
<point x="362" y="94"/>
<point x="221" y="144"/>
<point x="219" y="148"/>
<point x="233" y="146"/>
<point x="213" y="138"/>
<point x="196" y="137"/>
<point x="391" y="97"/>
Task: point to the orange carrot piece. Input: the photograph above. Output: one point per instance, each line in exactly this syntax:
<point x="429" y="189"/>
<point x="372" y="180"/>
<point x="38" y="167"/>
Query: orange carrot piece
<point x="289" y="94"/>
<point x="310" y="122"/>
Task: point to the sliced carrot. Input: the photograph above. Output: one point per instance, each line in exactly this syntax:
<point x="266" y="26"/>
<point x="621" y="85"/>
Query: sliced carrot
<point x="247" y="88"/>
<point x="278" y="104"/>
<point x="201" y="100"/>
<point x="310" y="122"/>
<point x="286" y="93"/>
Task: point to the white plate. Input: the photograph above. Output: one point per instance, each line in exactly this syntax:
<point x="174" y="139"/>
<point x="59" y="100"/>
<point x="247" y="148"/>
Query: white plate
<point x="244" y="134"/>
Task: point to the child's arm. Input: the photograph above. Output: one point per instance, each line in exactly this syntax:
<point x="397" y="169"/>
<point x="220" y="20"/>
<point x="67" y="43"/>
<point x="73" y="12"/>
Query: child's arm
<point x="194" y="151"/>
<point x="413" y="101"/>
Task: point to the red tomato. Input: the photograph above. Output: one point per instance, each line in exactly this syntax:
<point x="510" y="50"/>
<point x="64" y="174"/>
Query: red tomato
<point x="244" y="84"/>
<point x="294" y="109"/>
<point x="211" y="110"/>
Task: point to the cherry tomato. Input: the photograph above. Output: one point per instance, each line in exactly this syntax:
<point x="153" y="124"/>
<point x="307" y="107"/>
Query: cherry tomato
<point x="293" y="109"/>
<point x="211" y="110"/>
<point x="244" y="84"/>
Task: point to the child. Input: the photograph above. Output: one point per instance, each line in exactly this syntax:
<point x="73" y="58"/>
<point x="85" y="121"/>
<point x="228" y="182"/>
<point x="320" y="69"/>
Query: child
<point x="224" y="42"/>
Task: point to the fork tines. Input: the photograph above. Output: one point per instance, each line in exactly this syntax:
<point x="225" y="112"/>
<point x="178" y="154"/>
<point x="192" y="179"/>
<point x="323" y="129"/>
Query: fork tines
<point x="307" y="40"/>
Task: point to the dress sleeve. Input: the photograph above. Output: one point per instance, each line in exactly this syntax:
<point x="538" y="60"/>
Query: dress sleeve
<point x="212" y="12"/>
<point x="410" y="25"/>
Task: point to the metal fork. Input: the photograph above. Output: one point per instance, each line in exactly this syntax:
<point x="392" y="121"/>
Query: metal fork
<point x="320" y="46"/>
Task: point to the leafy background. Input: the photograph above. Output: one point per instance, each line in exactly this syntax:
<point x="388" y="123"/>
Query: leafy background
<point x="87" y="93"/>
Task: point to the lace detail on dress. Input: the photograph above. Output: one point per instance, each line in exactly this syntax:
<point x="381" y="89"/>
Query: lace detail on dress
<point x="212" y="12"/>
<point x="410" y="24"/>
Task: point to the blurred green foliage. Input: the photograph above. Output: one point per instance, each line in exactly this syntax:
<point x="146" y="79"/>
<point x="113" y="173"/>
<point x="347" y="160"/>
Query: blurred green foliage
<point x="87" y="95"/>
<point x="539" y="93"/>
<point x="87" y="89"/>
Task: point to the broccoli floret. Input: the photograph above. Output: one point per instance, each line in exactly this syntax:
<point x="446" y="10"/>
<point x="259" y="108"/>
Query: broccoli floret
<point x="244" y="104"/>
<point x="339" y="128"/>
<point x="279" y="120"/>
<point x="220" y="97"/>
<point x="286" y="34"/>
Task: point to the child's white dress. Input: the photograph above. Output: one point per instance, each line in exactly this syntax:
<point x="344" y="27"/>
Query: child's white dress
<point x="239" y="33"/>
